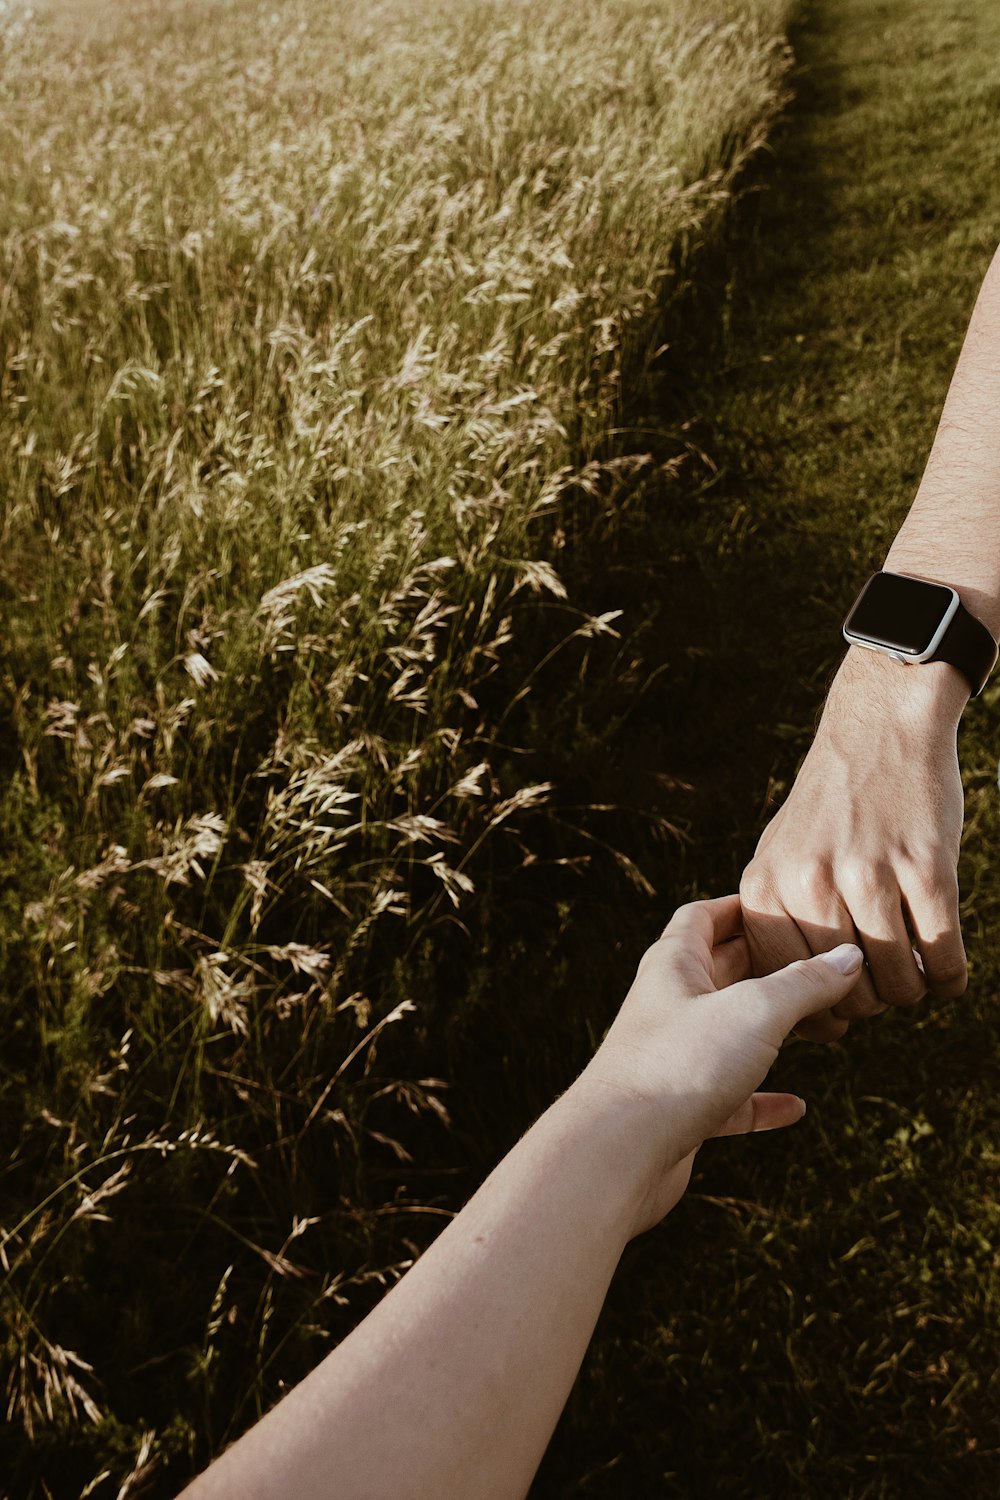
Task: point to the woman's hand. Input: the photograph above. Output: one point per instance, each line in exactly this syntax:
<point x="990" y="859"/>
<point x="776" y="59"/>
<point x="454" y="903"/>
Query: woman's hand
<point x="695" y="1038"/>
<point x="464" y="1367"/>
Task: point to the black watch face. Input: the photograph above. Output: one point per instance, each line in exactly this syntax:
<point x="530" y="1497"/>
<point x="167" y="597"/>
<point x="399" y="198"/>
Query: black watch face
<point x="902" y="614"/>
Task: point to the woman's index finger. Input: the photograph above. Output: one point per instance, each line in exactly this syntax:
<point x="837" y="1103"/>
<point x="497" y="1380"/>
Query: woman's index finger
<point x="708" y="922"/>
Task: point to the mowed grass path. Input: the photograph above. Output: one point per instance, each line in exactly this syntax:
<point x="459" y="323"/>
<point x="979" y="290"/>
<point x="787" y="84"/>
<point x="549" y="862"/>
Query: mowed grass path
<point x="820" y="1317"/>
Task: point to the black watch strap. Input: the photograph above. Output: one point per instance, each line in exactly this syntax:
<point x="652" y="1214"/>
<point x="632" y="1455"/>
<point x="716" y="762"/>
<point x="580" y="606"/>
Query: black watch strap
<point x="970" y="647"/>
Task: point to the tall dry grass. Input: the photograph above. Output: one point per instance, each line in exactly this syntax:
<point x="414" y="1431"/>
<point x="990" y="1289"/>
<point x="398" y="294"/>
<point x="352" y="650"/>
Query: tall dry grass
<point x="312" y="325"/>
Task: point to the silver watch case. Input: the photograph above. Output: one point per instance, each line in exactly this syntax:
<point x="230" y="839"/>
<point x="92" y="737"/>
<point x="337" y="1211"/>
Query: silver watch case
<point x="906" y="657"/>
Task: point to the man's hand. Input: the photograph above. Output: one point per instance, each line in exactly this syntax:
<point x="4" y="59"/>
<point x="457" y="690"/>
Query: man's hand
<point x="867" y="843"/>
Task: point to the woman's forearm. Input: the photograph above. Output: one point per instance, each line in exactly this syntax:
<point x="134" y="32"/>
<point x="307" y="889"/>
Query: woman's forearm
<point x="454" y="1383"/>
<point x="952" y="532"/>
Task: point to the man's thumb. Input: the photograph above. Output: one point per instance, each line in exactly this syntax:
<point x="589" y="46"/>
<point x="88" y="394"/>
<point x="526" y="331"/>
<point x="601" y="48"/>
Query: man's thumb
<point x="806" y="987"/>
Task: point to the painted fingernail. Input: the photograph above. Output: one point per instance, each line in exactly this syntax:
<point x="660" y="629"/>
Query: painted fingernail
<point x="846" y="958"/>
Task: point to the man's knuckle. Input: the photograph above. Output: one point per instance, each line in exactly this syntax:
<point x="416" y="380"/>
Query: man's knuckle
<point x="758" y="887"/>
<point x="902" y="993"/>
<point x="858" y="1006"/>
<point x="921" y="857"/>
<point x="814" y="881"/>
<point x="951" y="976"/>
<point x="864" y="878"/>
<point x="936" y="879"/>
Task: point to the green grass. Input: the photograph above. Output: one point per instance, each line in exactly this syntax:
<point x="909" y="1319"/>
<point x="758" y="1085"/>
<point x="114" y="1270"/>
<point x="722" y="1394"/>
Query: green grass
<point x="820" y="1316"/>
<point x="313" y="327"/>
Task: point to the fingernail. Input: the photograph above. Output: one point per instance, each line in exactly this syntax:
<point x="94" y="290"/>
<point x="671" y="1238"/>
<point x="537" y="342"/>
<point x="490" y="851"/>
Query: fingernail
<point x="845" y="958"/>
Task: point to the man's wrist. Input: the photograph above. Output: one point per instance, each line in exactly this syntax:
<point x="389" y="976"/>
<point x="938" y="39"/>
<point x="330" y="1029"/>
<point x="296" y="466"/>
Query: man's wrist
<point x="930" y="693"/>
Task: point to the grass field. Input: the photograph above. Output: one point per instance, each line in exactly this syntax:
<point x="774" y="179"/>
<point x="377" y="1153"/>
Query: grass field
<point x="314" y="329"/>
<point x="221" y="881"/>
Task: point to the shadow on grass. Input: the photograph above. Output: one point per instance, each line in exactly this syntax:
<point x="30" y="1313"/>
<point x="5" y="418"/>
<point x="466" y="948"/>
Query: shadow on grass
<point x="732" y="600"/>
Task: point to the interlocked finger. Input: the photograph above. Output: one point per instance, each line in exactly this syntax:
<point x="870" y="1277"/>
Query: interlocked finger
<point x="863" y="1001"/>
<point x="896" y="976"/>
<point x="776" y="940"/>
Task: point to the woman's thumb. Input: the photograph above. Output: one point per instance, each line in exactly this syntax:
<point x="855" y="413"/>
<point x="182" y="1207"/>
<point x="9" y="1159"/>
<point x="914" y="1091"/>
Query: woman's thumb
<point x="806" y="987"/>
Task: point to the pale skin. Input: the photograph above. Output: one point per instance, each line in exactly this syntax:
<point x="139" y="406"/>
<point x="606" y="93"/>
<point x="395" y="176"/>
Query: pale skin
<point x="868" y="839"/>
<point x="452" y="1386"/>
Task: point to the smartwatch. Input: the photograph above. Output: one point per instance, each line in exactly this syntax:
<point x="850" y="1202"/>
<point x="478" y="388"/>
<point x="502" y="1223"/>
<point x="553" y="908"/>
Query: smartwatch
<point x="914" y="620"/>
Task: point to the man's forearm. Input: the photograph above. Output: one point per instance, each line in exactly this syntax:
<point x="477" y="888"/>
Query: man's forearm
<point x="952" y="532"/>
<point x="866" y="845"/>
